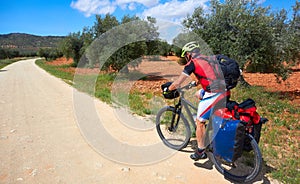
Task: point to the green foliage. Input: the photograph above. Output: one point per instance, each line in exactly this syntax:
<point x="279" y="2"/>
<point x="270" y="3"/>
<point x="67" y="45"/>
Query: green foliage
<point x="6" y="53"/>
<point x="6" y="62"/>
<point x="158" y="47"/>
<point x="248" y="32"/>
<point x="111" y="44"/>
<point x="75" y="44"/>
<point x="102" y="25"/>
<point x="103" y="87"/>
<point x="288" y="34"/>
<point x="72" y="46"/>
<point x="131" y="53"/>
<point x="137" y="103"/>
<point x="122" y="46"/>
<point x="49" y="54"/>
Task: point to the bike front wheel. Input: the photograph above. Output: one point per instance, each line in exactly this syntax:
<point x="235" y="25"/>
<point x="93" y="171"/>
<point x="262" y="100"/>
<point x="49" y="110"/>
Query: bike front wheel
<point x="173" y="128"/>
<point x="246" y="168"/>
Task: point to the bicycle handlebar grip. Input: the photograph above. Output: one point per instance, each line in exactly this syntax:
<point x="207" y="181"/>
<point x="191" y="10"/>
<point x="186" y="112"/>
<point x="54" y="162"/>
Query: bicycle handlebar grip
<point x="192" y="84"/>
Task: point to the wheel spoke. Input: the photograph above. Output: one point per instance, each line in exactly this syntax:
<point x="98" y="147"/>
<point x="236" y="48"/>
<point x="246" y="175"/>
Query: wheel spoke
<point x="174" y="134"/>
<point x="245" y="169"/>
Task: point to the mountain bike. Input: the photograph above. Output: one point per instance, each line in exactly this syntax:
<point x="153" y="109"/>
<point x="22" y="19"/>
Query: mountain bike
<point x="173" y="125"/>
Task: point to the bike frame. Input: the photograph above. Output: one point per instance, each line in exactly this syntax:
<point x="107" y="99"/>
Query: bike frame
<point x="187" y="105"/>
<point x="184" y="103"/>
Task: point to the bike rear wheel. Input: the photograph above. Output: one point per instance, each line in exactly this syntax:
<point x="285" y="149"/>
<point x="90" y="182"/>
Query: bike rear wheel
<point x="173" y="128"/>
<point x="244" y="169"/>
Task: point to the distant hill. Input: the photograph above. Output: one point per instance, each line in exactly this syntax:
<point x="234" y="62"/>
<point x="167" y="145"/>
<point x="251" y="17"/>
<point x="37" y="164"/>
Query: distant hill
<point x="28" y="43"/>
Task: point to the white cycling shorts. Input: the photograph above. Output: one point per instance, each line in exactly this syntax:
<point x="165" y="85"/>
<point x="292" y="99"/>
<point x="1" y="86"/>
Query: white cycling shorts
<point x="206" y="104"/>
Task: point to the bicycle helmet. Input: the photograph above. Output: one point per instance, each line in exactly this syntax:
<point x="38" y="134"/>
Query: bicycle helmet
<point x="189" y="47"/>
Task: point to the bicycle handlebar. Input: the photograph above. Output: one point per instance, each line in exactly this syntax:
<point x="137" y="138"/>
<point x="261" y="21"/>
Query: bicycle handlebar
<point x="188" y="86"/>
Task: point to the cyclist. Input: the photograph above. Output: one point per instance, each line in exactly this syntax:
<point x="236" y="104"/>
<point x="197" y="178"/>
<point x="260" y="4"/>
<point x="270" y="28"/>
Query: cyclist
<point x="211" y="92"/>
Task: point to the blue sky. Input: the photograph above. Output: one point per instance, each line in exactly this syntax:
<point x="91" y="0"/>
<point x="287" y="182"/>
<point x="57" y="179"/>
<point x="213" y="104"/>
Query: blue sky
<point x="61" y="17"/>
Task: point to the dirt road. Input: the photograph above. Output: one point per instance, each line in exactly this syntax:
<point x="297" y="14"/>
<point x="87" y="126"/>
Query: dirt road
<point x="40" y="140"/>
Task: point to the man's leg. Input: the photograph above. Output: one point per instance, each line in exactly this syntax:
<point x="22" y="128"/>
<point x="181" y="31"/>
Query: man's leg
<point x="200" y="137"/>
<point x="203" y="114"/>
<point x="200" y="134"/>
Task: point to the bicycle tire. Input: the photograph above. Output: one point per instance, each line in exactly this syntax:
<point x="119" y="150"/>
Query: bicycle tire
<point x="176" y="139"/>
<point x="244" y="169"/>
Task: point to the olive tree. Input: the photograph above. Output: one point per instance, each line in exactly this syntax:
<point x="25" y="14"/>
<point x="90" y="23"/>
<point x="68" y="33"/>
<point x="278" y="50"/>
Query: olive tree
<point x="249" y="33"/>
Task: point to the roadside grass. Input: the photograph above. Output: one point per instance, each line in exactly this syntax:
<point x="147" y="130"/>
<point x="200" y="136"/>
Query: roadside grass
<point x="55" y="70"/>
<point x="98" y="86"/>
<point x="280" y="137"/>
<point x="103" y="87"/>
<point x="5" y="62"/>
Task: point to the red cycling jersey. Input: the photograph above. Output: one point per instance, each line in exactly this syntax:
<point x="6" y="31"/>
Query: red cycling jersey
<point x="202" y="70"/>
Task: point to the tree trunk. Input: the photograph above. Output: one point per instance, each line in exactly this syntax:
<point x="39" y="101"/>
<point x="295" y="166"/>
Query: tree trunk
<point x="243" y="82"/>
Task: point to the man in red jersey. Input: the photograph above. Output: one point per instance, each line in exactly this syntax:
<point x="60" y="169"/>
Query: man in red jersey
<point x="213" y="90"/>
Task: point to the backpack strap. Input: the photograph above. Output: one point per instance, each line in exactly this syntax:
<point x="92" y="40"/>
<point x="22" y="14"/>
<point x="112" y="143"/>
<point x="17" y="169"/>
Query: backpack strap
<point x="213" y="61"/>
<point x="196" y="65"/>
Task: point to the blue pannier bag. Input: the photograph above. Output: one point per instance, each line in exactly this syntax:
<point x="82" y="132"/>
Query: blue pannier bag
<point x="228" y="139"/>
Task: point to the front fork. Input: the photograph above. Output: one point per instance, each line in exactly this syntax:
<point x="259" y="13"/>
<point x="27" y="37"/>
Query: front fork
<point x="175" y="121"/>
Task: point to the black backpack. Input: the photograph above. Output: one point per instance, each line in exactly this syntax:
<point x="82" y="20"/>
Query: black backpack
<point x="230" y="69"/>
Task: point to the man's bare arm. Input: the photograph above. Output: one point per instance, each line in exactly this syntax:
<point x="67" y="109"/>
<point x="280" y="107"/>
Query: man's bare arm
<point x="178" y="81"/>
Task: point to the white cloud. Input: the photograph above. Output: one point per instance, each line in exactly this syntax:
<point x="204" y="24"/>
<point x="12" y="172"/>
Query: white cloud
<point x="89" y="7"/>
<point x="169" y="13"/>
<point x="261" y="1"/>
<point x="147" y="3"/>
<point x="174" y="10"/>
<point x="168" y="30"/>
<point x="131" y="6"/>
<point x="167" y="9"/>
